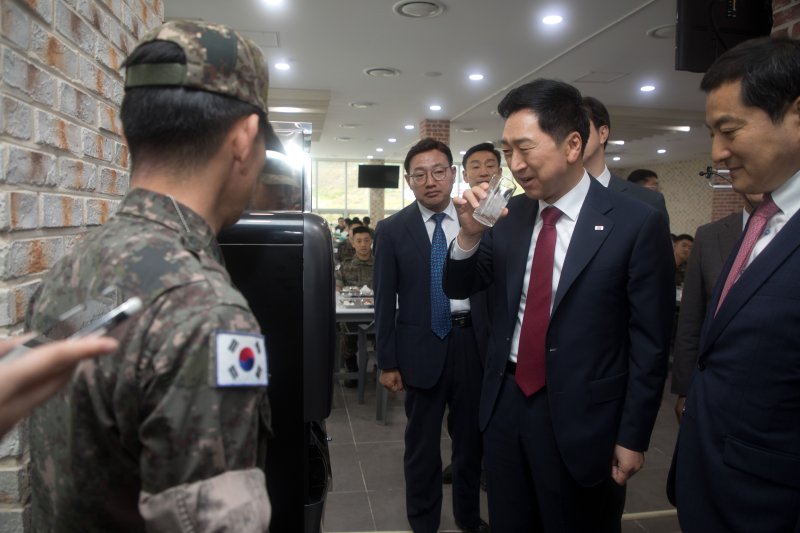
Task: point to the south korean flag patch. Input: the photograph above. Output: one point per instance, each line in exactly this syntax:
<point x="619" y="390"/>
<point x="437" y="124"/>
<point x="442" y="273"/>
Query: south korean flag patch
<point x="241" y="359"/>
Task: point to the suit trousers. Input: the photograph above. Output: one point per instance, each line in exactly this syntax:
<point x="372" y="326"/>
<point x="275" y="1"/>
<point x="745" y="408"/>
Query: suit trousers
<point x="528" y="484"/>
<point x="458" y="389"/>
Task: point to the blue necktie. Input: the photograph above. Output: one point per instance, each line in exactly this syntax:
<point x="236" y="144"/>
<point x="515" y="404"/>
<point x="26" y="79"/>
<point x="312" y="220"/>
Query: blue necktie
<point x="440" y="303"/>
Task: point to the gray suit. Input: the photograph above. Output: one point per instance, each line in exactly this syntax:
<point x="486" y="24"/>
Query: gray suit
<point x="712" y="245"/>
<point x="648" y="196"/>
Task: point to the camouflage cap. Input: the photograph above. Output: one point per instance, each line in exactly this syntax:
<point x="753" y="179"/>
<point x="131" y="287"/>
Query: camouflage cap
<point x="218" y="60"/>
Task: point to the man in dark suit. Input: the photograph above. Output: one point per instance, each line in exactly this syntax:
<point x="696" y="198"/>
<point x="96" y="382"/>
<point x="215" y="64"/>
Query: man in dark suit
<point x="581" y="314"/>
<point x="594" y="158"/>
<point x="426" y="343"/>
<point x="713" y="243"/>
<point x="736" y="467"/>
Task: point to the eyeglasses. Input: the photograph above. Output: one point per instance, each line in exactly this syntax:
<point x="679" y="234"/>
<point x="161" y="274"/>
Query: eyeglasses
<point x="421" y="176"/>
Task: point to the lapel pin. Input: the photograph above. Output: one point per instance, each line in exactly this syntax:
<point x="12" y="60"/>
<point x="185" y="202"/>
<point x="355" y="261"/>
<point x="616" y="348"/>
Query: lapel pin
<point x="599" y="228"/>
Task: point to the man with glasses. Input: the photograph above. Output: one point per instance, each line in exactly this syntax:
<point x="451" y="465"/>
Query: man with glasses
<point x="426" y="344"/>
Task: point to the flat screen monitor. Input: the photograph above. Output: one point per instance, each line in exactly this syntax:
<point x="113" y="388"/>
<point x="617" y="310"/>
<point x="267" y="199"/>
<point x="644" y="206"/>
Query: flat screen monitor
<point x="378" y="176"/>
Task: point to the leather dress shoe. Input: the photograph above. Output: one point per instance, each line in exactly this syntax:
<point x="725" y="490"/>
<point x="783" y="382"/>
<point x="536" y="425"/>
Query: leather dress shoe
<point x="482" y="527"/>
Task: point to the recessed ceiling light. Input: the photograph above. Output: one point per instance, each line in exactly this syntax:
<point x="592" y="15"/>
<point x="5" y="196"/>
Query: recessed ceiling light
<point x="467" y="130"/>
<point x="282" y="65"/>
<point x="392" y="140"/>
<point x="287" y="109"/>
<point x="661" y="151"/>
<point x="553" y="19"/>
<point x="683" y="128"/>
<point x="616" y="158"/>
<point x="273" y="2"/>
<point x="476" y="77"/>
<point x="462" y="152"/>
<point x="616" y="142"/>
<point x="349" y="126"/>
<point x="379" y="149"/>
<point x="418" y="9"/>
<point x="370" y="157"/>
<point x="361" y="105"/>
<point x="409" y="126"/>
<point x="343" y="139"/>
<point x="647" y="88"/>
<point x="435" y="107"/>
<point x="382" y="72"/>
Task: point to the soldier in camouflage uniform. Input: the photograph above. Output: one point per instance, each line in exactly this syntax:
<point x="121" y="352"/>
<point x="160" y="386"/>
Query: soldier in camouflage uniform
<point x="357" y="272"/>
<point x="162" y="435"/>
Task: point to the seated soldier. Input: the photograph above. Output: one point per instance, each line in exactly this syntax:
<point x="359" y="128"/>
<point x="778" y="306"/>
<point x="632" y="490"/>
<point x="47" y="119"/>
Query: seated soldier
<point x="356" y="271"/>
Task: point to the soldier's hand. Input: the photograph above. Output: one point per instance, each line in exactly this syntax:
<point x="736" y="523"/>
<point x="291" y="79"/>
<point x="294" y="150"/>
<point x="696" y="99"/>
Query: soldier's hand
<point x="38" y="374"/>
<point x="392" y="380"/>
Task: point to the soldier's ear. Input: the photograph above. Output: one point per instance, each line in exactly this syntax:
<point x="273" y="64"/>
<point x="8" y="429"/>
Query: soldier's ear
<point x="242" y="137"/>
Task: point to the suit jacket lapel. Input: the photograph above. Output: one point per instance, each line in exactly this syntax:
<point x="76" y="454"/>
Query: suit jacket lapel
<point x="519" y="246"/>
<point x="728" y="235"/>
<point x="590" y="232"/>
<point x="417" y="232"/>
<point x="785" y="243"/>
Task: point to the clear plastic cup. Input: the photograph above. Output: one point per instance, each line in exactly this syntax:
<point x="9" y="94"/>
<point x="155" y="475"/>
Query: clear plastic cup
<point x="499" y="193"/>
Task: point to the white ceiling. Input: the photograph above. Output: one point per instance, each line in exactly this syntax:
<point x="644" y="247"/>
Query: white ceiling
<point x="330" y="43"/>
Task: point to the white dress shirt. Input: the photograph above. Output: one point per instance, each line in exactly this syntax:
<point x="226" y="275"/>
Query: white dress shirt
<point x="787" y="198"/>
<point x="570" y="205"/>
<point x="450" y="226"/>
<point x="605" y="177"/>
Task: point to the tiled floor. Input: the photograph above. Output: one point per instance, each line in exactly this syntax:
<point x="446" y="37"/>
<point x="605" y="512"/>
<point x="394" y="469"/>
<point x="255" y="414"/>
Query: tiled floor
<point x="367" y="492"/>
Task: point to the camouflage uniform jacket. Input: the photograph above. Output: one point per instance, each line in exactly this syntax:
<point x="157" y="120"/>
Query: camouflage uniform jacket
<point x="355" y="272"/>
<point x="143" y="438"/>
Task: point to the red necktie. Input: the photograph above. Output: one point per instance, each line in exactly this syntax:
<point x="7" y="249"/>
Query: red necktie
<point x="758" y="221"/>
<point x="530" y="372"/>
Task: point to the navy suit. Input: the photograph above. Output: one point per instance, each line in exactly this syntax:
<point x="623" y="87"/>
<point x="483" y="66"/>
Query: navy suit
<point x="652" y="198"/>
<point x="736" y="466"/>
<point x="436" y="373"/>
<point x="607" y="340"/>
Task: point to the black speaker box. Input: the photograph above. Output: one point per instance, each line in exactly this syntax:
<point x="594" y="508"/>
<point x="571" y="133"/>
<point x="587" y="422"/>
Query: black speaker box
<point x="707" y="28"/>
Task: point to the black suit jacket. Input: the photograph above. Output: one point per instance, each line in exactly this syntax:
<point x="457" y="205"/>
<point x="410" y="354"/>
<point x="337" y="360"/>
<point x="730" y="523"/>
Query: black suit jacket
<point x="712" y="244"/>
<point x="650" y="197"/>
<point x="608" y="337"/>
<point x="402" y="300"/>
<point x="739" y="440"/>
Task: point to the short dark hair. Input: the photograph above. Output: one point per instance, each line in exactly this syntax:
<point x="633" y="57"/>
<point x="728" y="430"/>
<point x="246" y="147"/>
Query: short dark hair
<point x="557" y="105"/>
<point x="366" y="221"/>
<point x="683" y="237"/>
<point x="360" y="229"/>
<point x="598" y="114"/>
<point x="482" y="147"/>
<point x="348" y="221"/>
<point x="769" y="70"/>
<point x="177" y="126"/>
<point x="426" y="145"/>
<point x="641" y="174"/>
<point x="356" y="220"/>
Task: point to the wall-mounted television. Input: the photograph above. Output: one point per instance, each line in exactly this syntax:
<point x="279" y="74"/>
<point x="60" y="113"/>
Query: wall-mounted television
<point x="378" y="176"/>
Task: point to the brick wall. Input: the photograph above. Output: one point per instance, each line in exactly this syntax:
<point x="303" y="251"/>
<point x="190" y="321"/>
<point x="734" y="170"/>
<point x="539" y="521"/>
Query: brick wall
<point x="437" y="129"/>
<point x="63" y="163"/>
<point x="786" y="18"/>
